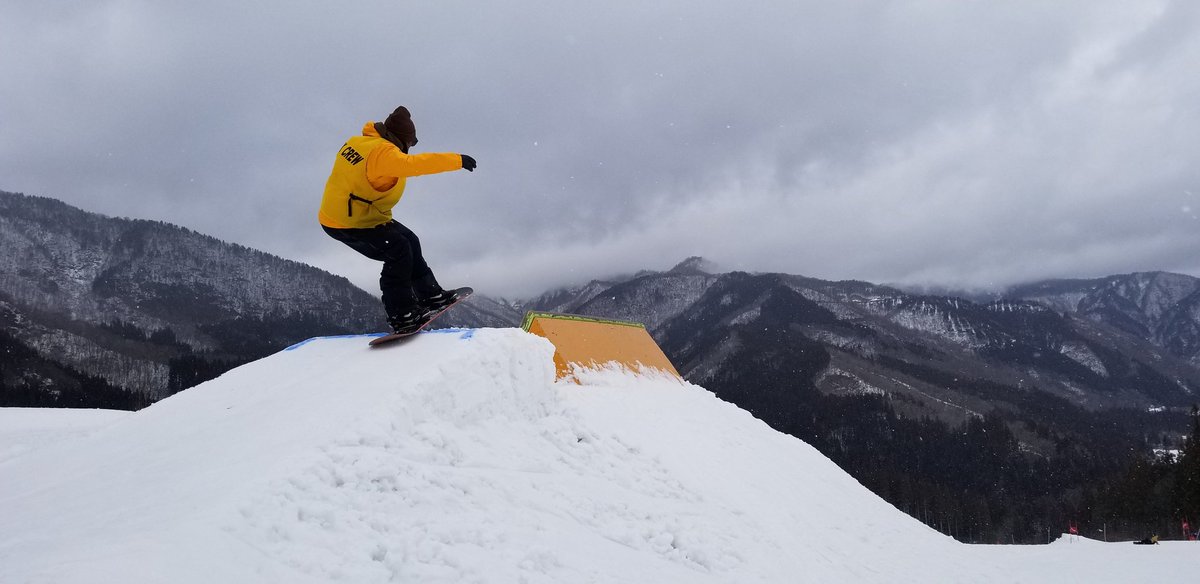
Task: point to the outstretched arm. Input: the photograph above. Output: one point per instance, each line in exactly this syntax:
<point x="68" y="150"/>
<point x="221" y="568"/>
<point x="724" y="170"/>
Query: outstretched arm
<point x="392" y="162"/>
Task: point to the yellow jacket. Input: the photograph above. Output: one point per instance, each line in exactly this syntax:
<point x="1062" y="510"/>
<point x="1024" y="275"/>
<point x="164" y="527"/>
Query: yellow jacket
<point x="368" y="180"/>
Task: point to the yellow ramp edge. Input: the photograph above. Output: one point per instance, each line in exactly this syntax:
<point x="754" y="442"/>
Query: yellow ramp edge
<point x="583" y="341"/>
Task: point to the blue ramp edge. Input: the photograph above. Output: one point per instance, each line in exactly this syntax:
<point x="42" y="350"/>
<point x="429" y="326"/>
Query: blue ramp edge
<point x="464" y="334"/>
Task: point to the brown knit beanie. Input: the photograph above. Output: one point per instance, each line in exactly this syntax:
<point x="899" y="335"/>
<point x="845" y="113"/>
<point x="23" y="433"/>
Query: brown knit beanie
<point x="401" y="127"/>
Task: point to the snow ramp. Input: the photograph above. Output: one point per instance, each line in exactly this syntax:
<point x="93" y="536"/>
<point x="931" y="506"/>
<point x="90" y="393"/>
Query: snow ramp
<point x="458" y="457"/>
<point x="585" y="342"/>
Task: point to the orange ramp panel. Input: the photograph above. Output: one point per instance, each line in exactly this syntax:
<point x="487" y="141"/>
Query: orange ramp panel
<point x="589" y="342"/>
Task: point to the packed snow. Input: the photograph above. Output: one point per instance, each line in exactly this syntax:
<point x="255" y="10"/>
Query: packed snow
<point x="457" y="457"/>
<point x="23" y="430"/>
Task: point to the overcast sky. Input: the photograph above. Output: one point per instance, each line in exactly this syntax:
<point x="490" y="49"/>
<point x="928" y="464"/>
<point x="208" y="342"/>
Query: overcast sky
<point x="954" y="143"/>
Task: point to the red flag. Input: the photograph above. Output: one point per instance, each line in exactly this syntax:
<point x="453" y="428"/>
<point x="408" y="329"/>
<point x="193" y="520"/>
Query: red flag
<point x="1073" y="529"/>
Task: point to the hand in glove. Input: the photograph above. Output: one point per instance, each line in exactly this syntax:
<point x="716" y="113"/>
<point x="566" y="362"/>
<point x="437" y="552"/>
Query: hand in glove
<point x="468" y="163"/>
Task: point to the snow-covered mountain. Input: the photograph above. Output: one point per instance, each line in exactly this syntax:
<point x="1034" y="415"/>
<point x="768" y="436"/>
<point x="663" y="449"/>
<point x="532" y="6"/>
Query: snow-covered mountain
<point x="1158" y="306"/>
<point x="469" y="464"/>
<point x="145" y="308"/>
<point x="1125" y="343"/>
<point x="102" y="311"/>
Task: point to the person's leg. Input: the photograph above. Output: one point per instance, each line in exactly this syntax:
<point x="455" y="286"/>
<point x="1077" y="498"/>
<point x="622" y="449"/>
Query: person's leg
<point x="424" y="283"/>
<point x="387" y="243"/>
<point x="430" y="295"/>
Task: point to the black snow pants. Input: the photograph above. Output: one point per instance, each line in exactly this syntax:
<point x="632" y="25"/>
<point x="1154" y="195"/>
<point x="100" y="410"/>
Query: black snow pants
<point x="406" y="278"/>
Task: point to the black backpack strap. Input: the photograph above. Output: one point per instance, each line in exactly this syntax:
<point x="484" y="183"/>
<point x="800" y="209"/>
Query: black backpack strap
<point x="350" y="203"/>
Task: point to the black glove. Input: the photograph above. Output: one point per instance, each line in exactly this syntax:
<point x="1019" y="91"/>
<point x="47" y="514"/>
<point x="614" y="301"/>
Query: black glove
<point x="468" y="162"/>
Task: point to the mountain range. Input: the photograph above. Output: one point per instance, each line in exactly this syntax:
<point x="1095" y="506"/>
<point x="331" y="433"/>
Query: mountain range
<point x="1127" y="341"/>
<point x="126" y="300"/>
<point x="136" y="310"/>
<point x="108" y="312"/>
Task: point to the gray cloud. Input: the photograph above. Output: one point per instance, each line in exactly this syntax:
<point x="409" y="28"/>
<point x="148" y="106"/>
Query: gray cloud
<point x="955" y="143"/>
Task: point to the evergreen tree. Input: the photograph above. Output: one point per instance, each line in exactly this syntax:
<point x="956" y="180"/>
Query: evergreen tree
<point x="1187" y="482"/>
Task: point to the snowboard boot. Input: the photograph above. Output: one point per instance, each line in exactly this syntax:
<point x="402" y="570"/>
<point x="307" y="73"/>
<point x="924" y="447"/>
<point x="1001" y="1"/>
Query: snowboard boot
<point x="408" y="322"/>
<point x="438" y="302"/>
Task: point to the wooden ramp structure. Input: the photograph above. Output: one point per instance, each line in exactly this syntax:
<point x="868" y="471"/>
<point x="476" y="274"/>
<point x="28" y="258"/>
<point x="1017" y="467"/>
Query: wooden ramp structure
<point x="589" y="343"/>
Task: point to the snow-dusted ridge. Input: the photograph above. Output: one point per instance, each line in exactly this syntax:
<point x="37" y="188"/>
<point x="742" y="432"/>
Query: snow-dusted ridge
<point x="457" y="458"/>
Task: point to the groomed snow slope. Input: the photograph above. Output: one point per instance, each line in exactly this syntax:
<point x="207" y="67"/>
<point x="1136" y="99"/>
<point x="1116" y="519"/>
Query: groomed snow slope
<point x="457" y="458"/>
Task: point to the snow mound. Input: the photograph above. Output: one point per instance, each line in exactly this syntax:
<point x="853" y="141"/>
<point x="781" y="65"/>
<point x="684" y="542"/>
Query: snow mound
<point x="456" y="457"/>
<point x="23" y="430"/>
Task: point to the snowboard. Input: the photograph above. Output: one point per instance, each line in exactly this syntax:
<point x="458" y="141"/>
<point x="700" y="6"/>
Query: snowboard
<point x="462" y="293"/>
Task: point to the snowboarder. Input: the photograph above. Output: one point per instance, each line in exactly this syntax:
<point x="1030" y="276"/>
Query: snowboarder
<point x="367" y="180"/>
